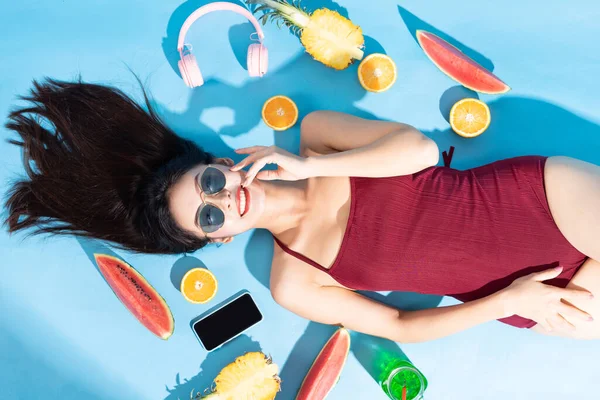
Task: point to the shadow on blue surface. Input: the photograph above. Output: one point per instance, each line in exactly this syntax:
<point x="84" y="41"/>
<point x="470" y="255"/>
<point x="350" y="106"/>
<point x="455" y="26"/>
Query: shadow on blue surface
<point x="405" y="300"/>
<point x="451" y="96"/>
<point x="210" y="368"/>
<point x="373" y="353"/>
<point x="258" y="255"/>
<point x="181" y="266"/>
<point x="240" y="47"/>
<point x="302" y="356"/>
<point x="414" y="23"/>
<point x="91" y="246"/>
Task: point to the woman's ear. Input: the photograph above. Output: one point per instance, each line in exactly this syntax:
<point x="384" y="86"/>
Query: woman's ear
<point x="224" y="161"/>
<point x="225" y="240"/>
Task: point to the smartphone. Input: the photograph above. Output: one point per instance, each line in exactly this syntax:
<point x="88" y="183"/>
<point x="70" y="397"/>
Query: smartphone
<point x="227" y="321"/>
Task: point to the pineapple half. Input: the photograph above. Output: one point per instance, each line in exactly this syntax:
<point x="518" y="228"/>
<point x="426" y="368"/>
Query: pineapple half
<point x="325" y="34"/>
<point x="252" y="376"/>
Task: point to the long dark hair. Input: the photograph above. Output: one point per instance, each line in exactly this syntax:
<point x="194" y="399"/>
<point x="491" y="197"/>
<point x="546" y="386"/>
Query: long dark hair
<point x="100" y="166"/>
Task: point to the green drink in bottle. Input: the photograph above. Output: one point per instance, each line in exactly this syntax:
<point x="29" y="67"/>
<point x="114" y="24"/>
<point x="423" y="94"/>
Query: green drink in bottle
<point x="389" y="367"/>
<point x="399" y="374"/>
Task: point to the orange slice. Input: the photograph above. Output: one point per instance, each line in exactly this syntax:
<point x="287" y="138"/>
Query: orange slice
<point x="198" y="285"/>
<point x="470" y="117"/>
<point x="377" y="72"/>
<point x="280" y="113"/>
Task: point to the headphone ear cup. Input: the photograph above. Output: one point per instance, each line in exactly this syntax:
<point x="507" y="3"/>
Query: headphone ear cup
<point x="183" y="72"/>
<point x="258" y="59"/>
<point x="189" y="71"/>
<point x="264" y="60"/>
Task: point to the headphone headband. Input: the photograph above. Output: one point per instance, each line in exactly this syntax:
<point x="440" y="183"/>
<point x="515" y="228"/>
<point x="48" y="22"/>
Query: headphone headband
<point x="217" y="6"/>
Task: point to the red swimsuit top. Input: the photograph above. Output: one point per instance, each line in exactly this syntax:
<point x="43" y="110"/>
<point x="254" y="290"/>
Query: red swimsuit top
<point x="443" y="231"/>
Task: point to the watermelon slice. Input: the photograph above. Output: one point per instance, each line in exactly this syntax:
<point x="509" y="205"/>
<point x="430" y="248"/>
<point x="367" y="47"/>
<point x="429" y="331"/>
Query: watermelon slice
<point x="326" y="370"/>
<point x="140" y="298"/>
<point x="458" y="66"/>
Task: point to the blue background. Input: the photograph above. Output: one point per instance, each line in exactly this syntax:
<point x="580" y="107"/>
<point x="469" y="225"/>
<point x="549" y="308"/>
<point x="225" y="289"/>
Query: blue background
<point x="64" y="335"/>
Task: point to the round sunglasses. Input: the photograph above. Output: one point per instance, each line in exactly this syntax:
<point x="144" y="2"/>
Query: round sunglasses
<point x="210" y="217"/>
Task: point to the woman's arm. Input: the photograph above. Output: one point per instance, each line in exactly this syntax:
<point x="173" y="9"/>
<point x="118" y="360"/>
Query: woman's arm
<point x="352" y="146"/>
<point x="526" y="296"/>
<point x="336" y="144"/>
<point x="338" y="306"/>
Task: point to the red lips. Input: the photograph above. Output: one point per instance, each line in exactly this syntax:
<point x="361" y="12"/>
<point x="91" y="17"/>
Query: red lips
<point x="239" y="203"/>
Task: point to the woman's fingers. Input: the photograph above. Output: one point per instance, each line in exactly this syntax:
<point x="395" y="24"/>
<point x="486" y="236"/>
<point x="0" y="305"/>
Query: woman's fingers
<point x="238" y="166"/>
<point x="557" y="323"/>
<point x="259" y="156"/>
<point x="546" y="325"/>
<point x="560" y="323"/>
<point x="255" y="152"/>
<point x="243" y="163"/>
<point x="251" y="149"/>
<point x="248" y="160"/>
<point x="547" y="274"/>
<point x="574" y="294"/>
<point x="254" y="169"/>
<point x="269" y="175"/>
<point x="573" y="312"/>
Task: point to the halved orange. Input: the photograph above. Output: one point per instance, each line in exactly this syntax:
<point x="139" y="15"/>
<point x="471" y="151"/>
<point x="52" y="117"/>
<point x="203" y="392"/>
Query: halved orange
<point x="280" y="113"/>
<point x="470" y="117"/>
<point x="198" y="285"/>
<point x="377" y="72"/>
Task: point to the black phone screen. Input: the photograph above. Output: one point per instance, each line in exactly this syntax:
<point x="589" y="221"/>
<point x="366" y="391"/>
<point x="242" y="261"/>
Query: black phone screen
<point x="227" y="322"/>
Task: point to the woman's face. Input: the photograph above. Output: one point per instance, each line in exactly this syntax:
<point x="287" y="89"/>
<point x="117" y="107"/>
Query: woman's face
<point x="241" y="207"/>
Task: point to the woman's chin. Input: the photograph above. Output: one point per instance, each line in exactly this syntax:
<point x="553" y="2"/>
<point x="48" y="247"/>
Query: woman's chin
<point x="254" y="200"/>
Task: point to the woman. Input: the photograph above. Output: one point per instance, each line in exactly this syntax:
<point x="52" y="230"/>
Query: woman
<point x="100" y="166"/>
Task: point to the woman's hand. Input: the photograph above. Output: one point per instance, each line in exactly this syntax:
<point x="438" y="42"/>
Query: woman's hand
<point x="530" y="298"/>
<point x="290" y="167"/>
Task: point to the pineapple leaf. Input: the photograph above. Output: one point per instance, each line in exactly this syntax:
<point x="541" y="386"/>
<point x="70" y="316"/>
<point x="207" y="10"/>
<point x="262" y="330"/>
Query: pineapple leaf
<point x="265" y="17"/>
<point x="261" y="8"/>
<point x="291" y="14"/>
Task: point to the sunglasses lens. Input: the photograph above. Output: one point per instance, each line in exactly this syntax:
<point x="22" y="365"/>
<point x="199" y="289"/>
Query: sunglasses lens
<point x="212" y="181"/>
<point x="211" y="218"/>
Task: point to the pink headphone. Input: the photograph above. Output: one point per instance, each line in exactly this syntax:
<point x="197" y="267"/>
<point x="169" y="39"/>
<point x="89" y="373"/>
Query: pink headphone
<point x="257" y="59"/>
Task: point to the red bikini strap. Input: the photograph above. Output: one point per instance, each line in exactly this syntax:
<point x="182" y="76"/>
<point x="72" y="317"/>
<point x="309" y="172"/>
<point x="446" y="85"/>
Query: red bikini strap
<point x="299" y="256"/>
